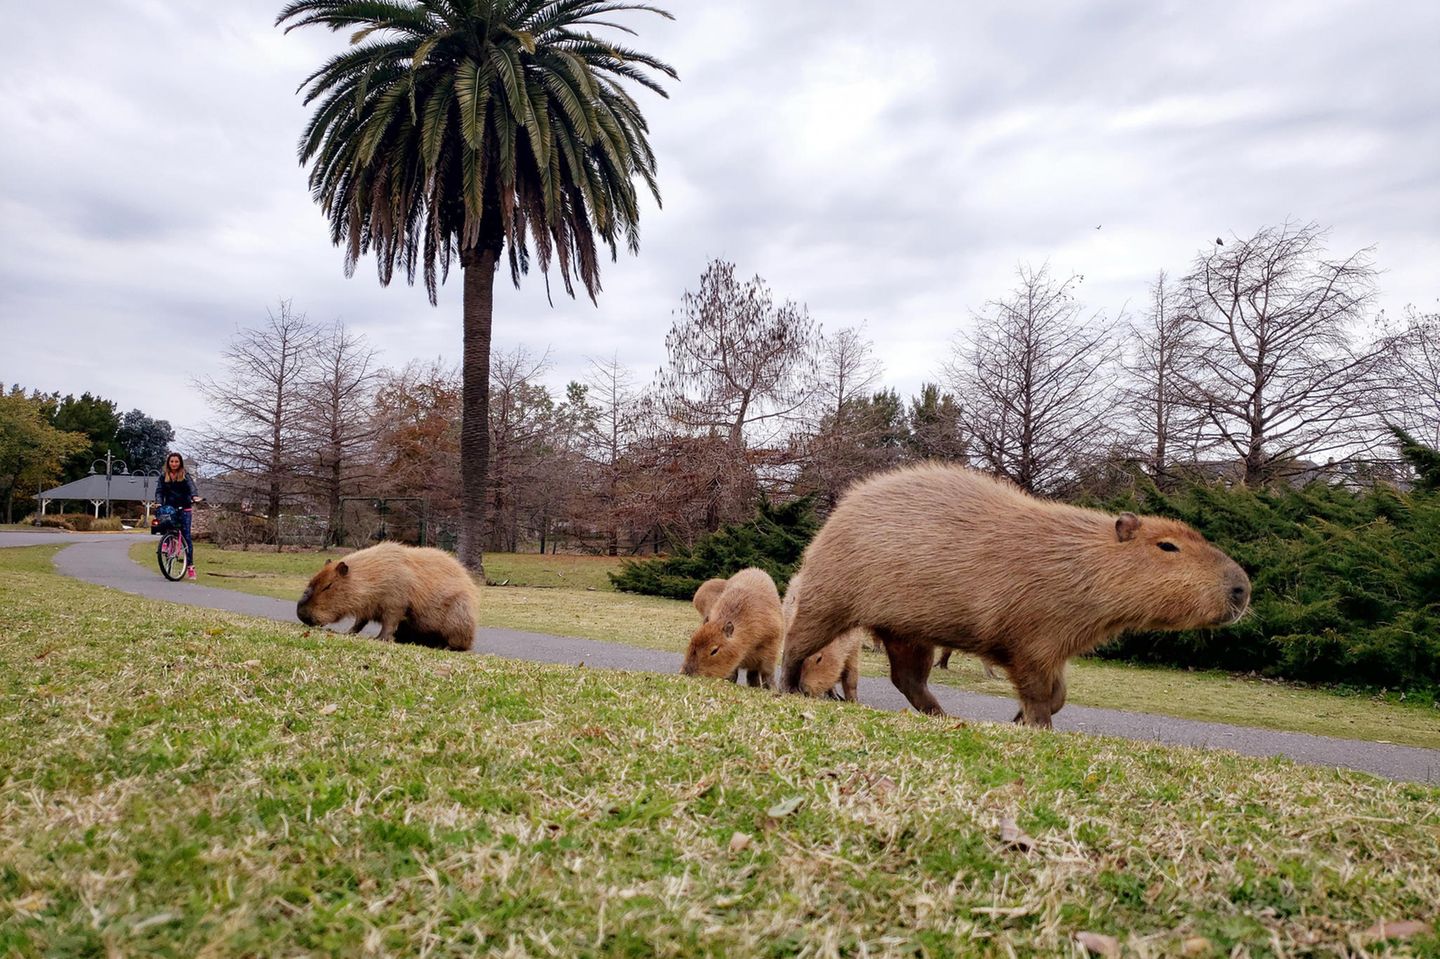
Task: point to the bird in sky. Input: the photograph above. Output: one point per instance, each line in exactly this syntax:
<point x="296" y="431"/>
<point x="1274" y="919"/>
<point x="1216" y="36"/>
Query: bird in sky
<point x="1219" y="242"/>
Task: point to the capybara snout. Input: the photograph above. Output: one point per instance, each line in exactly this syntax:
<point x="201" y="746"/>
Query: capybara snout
<point x="325" y="599"/>
<point x="710" y="652"/>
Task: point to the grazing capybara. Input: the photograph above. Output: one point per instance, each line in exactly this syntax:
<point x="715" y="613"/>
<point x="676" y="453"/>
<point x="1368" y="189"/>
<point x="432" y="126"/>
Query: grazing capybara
<point x="743" y="630"/>
<point x="706" y="595"/>
<point x="417" y="595"/>
<point x="938" y="555"/>
<point x="837" y="662"/>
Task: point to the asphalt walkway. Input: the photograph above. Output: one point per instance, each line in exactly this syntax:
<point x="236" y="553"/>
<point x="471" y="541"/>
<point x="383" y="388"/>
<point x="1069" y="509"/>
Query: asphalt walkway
<point x="103" y="559"/>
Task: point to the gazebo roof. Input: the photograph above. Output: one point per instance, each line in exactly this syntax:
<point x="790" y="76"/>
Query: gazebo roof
<point x="123" y="488"/>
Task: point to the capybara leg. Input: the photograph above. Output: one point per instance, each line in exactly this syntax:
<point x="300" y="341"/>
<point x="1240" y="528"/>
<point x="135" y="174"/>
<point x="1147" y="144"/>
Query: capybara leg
<point x="767" y="678"/>
<point x="849" y="680"/>
<point x="1034" y="690"/>
<point x="735" y="676"/>
<point x="359" y="625"/>
<point x="910" y="664"/>
<point x="944" y="662"/>
<point x="1057" y="693"/>
<point x="388" y="624"/>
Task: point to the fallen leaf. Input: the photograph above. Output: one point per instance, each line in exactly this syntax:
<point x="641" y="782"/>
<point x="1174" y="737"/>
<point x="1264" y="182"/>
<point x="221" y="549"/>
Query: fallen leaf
<point x="1098" y="944"/>
<point x="1196" y="946"/>
<point x="328" y="709"/>
<point x="1013" y="835"/>
<point x="883" y="785"/>
<point x="785" y="807"/>
<point x="251" y="664"/>
<point x="739" y="841"/>
<point x="1403" y="929"/>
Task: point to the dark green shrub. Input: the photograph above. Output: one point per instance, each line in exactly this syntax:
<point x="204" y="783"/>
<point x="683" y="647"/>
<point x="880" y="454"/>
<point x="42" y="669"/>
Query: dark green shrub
<point x="773" y="540"/>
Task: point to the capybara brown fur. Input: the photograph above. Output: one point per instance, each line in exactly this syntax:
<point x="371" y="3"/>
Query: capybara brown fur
<point x="838" y="662"/>
<point x="417" y="595"/>
<point x="743" y="630"/>
<point x="939" y="555"/>
<point x="706" y="595"/>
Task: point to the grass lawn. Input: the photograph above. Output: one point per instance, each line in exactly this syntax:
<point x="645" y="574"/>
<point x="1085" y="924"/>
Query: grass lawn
<point x="179" y="782"/>
<point x="603" y="614"/>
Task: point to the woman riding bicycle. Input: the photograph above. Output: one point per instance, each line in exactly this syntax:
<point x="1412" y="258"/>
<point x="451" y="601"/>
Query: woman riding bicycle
<point x="176" y="489"/>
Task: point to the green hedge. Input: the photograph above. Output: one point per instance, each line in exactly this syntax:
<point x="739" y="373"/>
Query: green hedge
<point x="1346" y="584"/>
<point x="774" y="541"/>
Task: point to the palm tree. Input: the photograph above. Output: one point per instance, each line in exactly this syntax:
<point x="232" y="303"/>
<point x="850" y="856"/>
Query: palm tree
<point x="472" y="128"/>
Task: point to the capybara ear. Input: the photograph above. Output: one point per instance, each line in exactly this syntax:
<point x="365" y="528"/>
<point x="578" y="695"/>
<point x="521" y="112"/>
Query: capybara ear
<point x="1126" y="527"/>
<point x="729" y="629"/>
<point x="343" y="568"/>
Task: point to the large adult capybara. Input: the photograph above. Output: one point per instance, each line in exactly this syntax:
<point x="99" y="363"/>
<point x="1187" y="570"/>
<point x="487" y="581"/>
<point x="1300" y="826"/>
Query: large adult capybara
<point x="937" y="555"/>
<point x="417" y="595"/>
<point x="743" y="630"/>
<point x="838" y="662"/>
<point x="706" y="595"/>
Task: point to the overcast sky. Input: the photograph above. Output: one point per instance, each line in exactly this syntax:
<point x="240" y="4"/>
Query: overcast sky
<point x="885" y="161"/>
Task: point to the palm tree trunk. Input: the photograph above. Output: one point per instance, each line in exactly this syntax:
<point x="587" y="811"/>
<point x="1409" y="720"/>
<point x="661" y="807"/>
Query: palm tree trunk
<point x="479" y="266"/>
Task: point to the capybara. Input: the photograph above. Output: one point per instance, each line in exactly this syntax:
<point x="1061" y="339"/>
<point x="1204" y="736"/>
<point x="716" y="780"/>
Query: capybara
<point x="938" y="555"/>
<point x="743" y="630"/>
<point x="706" y="595"/>
<point x="417" y="595"/>
<point x="837" y="662"/>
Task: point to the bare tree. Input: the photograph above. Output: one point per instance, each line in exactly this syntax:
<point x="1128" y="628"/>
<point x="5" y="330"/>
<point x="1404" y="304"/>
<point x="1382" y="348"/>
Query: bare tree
<point x="1412" y="371"/>
<point x="1162" y="353"/>
<point x="1034" y="381"/>
<point x="736" y="358"/>
<point x="521" y="409"/>
<point x="1279" y="373"/>
<point x="848" y="431"/>
<point x="256" y="431"/>
<point x="337" y="422"/>
<point x="611" y="433"/>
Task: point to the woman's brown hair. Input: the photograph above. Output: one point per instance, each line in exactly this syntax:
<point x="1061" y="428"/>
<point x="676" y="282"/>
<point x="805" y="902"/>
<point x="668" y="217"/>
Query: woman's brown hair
<point x="178" y="475"/>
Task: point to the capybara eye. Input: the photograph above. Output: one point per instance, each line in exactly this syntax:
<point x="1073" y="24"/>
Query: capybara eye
<point x="1168" y="546"/>
<point x="714" y="650"/>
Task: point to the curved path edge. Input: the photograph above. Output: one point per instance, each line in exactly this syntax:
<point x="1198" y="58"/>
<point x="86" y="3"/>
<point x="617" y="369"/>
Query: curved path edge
<point x="104" y="561"/>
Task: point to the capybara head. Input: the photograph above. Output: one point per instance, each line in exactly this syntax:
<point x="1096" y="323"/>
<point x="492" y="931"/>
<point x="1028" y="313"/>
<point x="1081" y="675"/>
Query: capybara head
<point x="327" y="597"/>
<point x="714" y="650"/>
<point x="1173" y="577"/>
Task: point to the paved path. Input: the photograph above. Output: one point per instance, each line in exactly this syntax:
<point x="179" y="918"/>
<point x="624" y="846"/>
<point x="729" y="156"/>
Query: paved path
<point x="104" y="560"/>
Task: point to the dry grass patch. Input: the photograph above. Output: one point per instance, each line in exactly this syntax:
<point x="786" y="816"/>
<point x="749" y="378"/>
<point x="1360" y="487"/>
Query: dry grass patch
<point x="185" y="783"/>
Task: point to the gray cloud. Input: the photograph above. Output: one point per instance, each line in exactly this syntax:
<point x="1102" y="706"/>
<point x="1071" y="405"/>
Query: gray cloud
<point x="883" y="162"/>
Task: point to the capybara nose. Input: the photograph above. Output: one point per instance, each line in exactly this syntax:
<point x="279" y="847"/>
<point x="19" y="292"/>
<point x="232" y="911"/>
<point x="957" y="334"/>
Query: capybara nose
<point x="303" y="615"/>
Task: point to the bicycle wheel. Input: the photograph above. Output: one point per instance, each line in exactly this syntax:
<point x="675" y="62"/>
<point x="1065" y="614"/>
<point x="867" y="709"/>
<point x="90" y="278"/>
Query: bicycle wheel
<point x="170" y="554"/>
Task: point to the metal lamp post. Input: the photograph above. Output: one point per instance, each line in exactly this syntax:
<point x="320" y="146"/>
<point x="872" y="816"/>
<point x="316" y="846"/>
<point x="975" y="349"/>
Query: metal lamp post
<point x="149" y="495"/>
<point x="110" y="464"/>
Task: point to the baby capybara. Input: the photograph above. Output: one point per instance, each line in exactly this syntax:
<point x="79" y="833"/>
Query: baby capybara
<point x="938" y="555"/>
<point x="706" y="595"/>
<point x="742" y="630"/>
<point x="417" y="595"/>
<point x="837" y="662"/>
